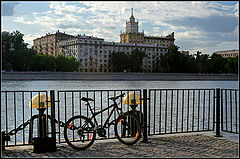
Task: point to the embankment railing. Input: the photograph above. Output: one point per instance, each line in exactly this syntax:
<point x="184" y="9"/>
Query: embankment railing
<point x="165" y="111"/>
<point x="18" y="114"/>
<point x="181" y="110"/>
<point x="230" y="110"/>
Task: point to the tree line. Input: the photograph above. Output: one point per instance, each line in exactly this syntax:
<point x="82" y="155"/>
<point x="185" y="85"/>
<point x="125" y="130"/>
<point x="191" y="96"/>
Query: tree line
<point x="175" y="62"/>
<point x="16" y="56"/>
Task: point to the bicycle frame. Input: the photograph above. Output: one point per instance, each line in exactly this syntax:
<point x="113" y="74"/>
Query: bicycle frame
<point x="115" y="107"/>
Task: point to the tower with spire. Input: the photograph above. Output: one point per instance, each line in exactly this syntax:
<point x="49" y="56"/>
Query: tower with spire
<point x="131" y="25"/>
<point x="131" y="35"/>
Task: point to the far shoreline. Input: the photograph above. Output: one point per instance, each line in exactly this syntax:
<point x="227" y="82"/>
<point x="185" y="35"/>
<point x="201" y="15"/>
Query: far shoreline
<point x="113" y="76"/>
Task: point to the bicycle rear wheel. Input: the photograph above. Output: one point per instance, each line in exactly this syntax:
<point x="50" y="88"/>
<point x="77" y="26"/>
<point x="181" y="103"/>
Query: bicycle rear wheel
<point x="79" y="132"/>
<point x="127" y="129"/>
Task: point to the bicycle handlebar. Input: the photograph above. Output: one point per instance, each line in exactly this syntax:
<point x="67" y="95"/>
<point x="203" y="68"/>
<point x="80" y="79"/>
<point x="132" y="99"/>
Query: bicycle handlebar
<point x="115" y="98"/>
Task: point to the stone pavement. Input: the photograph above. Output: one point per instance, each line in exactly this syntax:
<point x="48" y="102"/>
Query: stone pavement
<point x="193" y="145"/>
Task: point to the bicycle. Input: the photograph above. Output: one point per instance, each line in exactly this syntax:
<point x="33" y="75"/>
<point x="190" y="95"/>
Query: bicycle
<point x="127" y="127"/>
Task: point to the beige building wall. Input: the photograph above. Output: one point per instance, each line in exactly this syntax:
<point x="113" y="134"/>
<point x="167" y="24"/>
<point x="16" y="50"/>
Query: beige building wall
<point x="137" y="38"/>
<point x="48" y="44"/>
<point x="94" y="53"/>
<point x="163" y="41"/>
<point x="228" y="53"/>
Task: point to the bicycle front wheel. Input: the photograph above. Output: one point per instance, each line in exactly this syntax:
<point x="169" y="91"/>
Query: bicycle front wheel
<point x="127" y="129"/>
<point x="79" y="132"/>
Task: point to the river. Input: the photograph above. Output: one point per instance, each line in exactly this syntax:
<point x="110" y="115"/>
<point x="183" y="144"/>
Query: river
<point x="106" y="85"/>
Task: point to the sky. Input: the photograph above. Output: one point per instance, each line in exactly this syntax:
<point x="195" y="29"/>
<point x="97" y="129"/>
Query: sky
<point x="205" y="26"/>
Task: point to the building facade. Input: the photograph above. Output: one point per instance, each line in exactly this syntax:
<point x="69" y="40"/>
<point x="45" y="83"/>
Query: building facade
<point x="163" y="41"/>
<point x="48" y="44"/>
<point x="94" y="53"/>
<point x="131" y="35"/>
<point x="228" y="53"/>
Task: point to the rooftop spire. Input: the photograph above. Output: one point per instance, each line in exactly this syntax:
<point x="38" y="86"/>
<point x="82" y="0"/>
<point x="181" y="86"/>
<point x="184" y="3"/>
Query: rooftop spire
<point x="132" y="19"/>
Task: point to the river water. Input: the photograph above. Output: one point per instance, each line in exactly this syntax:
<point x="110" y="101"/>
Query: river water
<point x="67" y="85"/>
<point x="106" y="85"/>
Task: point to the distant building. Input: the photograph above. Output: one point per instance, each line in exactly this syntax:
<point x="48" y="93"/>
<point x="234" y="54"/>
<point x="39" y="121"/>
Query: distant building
<point x="184" y="52"/>
<point x="47" y="44"/>
<point x="228" y="53"/>
<point x="133" y="36"/>
<point x="94" y="53"/>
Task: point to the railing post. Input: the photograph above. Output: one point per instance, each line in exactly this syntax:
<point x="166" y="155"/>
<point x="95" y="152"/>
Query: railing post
<point x="218" y="113"/>
<point x="52" y="97"/>
<point x="145" y="138"/>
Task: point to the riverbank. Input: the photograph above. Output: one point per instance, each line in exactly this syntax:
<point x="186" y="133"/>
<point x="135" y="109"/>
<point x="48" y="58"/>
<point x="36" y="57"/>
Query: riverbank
<point x="100" y="76"/>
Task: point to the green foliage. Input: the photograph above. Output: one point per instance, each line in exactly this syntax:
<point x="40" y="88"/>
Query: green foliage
<point x="231" y="65"/>
<point x="119" y="61"/>
<point x="216" y="64"/>
<point x="175" y="62"/>
<point x="65" y="64"/>
<point x="17" y="57"/>
<point x="136" y="60"/>
<point x="15" y="53"/>
<point x="132" y="62"/>
<point x="42" y="62"/>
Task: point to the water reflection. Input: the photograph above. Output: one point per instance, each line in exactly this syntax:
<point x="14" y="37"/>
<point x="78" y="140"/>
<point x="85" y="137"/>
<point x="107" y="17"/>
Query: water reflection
<point x="106" y="85"/>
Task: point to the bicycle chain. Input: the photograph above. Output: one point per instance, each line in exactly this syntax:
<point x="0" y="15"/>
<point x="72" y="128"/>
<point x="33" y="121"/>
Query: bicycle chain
<point x="14" y="131"/>
<point x="24" y="125"/>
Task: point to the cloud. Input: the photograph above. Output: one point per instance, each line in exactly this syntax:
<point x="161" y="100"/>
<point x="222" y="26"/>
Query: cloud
<point x="213" y="23"/>
<point x="196" y="24"/>
<point x="7" y="8"/>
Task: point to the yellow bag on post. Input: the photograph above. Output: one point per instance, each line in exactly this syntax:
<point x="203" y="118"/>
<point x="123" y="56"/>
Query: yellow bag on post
<point x="43" y="104"/>
<point x="132" y="99"/>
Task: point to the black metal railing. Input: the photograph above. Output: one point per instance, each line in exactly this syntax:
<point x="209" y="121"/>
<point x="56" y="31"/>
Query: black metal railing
<point x="165" y="111"/>
<point x="18" y="114"/>
<point x="230" y="110"/>
<point x="181" y="110"/>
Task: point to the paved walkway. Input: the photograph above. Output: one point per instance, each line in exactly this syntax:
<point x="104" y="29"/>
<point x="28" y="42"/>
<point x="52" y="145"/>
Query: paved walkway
<point x="189" y="146"/>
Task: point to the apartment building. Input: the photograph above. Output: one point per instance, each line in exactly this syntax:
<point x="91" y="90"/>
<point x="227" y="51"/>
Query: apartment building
<point x="94" y="53"/>
<point x="48" y="44"/>
<point x="228" y="53"/>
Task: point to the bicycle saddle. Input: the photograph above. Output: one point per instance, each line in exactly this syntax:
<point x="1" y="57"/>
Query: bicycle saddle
<point x="86" y="99"/>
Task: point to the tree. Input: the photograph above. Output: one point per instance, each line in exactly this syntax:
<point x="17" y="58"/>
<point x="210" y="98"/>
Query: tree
<point x="43" y="62"/>
<point x="65" y="64"/>
<point x="6" y="55"/>
<point x="216" y="64"/>
<point x="191" y="65"/>
<point x="202" y="61"/>
<point x="119" y="61"/>
<point x="232" y="65"/>
<point x="136" y="60"/>
<point x="15" y="53"/>
<point x="171" y="61"/>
